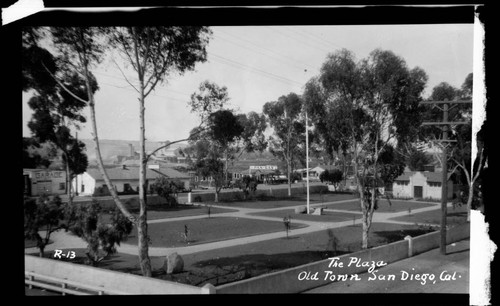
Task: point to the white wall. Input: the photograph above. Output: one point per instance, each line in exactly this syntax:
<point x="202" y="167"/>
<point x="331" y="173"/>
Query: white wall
<point x="86" y="180"/>
<point x="402" y="191"/>
<point x="91" y="184"/>
<point x="418" y="179"/>
<point x="433" y="192"/>
<point x="46" y="181"/>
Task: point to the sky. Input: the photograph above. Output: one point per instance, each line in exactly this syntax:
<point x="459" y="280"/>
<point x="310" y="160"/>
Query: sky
<point x="259" y="64"/>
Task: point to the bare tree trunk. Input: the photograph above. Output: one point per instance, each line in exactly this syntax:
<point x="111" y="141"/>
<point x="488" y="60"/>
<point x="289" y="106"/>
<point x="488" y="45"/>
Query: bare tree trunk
<point x="366" y="216"/>
<point x="289" y="170"/>
<point x="365" y="231"/>
<point x="100" y="163"/>
<point x="142" y="225"/>
<point x="68" y="182"/>
<point x="469" y="200"/>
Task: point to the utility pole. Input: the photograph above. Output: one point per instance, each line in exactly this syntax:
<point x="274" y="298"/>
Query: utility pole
<point x="307" y="162"/>
<point x="76" y="176"/>
<point x="444" y="181"/>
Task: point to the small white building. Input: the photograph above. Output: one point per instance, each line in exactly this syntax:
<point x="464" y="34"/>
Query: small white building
<point x="420" y="185"/>
<point x="124" y="179"/>
<point x="41" y="181"/>
<point x="316" y="171"/>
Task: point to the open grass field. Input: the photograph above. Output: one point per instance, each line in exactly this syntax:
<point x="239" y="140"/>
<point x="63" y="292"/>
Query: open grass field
<point x="162" y="212"/>
<point x="383" y="206"/>
<point x="170" y="234"/>
<point x="327" y="216"/>
<point x="269" y="202"/>
<point x="29" y="243"/>
<point x="230" y="264"/>
<point x="454" y="216"/>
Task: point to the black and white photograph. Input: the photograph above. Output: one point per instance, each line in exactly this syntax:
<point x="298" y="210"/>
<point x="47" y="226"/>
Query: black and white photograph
<point x="206" y="157"/>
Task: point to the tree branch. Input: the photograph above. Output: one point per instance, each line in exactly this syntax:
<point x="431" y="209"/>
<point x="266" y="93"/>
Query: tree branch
<point x="467" y="176"/>
<point x="171" y="143"/>
<point x="123" y="43"/>
<point x="158" y="76"/>
<point x="125" y="77"/>
<point x="64" y="87"/>
<point x="480" y="166"/>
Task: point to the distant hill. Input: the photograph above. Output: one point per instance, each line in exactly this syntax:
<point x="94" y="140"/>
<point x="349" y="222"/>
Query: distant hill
<point x="111" y="148"/>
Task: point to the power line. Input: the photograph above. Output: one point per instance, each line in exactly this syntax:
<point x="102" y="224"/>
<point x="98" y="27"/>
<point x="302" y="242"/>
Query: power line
<point x="295" y="38"/>
<point x="319" y="39"/>
<point x="238" y="65"/>
<point x="153" y="93"/>
<point x="280" y="56"/>
<point x="157" y="88"/>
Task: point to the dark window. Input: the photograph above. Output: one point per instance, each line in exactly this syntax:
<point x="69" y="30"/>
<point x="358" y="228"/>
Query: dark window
<point x="83" y="188"/>
<point x="62" y="186"/>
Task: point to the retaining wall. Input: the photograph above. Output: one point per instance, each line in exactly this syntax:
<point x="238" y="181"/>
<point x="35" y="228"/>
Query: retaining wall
<point x="287" y="281"/>
<point x="111" y="280"/>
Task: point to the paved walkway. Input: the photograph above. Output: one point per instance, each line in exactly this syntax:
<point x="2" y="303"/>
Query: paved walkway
<point x="62" y="239"/>
<point x="450" y="272"/>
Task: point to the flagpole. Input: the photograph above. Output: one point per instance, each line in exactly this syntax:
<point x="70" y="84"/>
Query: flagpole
<point x="307" y="155"/>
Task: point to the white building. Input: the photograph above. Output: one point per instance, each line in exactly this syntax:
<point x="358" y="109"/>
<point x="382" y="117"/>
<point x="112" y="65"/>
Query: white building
<point x="316" y="171"/>
<point x="420" y="185"/>
<point x="124" y="179"/>
<point x="41" y="181"/>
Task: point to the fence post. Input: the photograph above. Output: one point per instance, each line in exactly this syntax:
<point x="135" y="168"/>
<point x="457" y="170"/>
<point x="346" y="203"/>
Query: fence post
<point x="208" y="289"/>
<point x="410" y="245"/>
<point x="31" y="278"/>
<point x="63" y="286"/>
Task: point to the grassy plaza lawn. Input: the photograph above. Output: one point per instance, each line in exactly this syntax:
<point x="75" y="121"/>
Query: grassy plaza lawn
<point x="295" y="200"/>
<point x="230" y="264"/>
<point x="327" y="216"/>
<point x="250" y="260"/>
<point x="203" y="230"/>
<point x="31" y="243"/>
<point x="455" y="216"/>
<point x="163" y="211"/>
<point x="383" y="205"/>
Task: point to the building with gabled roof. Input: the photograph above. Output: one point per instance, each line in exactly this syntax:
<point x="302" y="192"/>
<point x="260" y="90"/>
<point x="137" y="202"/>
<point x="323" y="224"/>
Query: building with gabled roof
<point x="421" y="185"/>
<point x="124" y="178"/>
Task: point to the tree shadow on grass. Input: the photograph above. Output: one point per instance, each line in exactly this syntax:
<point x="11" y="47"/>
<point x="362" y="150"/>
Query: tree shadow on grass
<point x="457" y="214"/>
<point x="165" y="207"/>
<point x="459" y="251"/>
<point x="229" y="269"/>
<point x="397" y="235"/>
<point x="32" y="243"/>
<point x="269" y="261"/>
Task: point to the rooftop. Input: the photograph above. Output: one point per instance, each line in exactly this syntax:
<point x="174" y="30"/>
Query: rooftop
<point x="132" y="173"/>
<point x="431" y="176"/>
